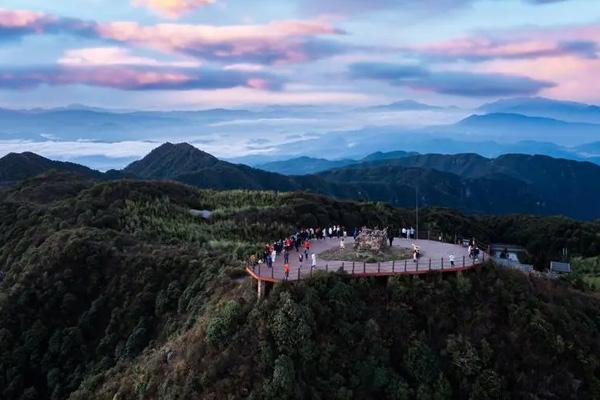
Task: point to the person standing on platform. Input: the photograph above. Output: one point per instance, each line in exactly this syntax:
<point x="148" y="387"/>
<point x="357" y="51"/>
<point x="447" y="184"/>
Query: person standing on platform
<point x="306" y="248"/>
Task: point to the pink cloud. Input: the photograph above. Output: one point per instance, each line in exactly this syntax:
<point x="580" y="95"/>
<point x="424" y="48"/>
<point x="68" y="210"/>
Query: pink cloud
<point x="583" y="42"/>
<point x="20" y="18"/>
<point x="278" y="41"/>
<point x="287" y="41"/>
<point x="575" y="78"/>
<point x="172" y="8"/>
<point x="135" y="78"/>
<point x="96" y="56"/>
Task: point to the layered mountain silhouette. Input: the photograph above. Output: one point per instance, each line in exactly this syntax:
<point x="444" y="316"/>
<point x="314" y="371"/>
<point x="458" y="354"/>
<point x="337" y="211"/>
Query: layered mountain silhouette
<point x="544" y="107"/>
<point x="310" y="165"/>
<point x="513" y="183"/>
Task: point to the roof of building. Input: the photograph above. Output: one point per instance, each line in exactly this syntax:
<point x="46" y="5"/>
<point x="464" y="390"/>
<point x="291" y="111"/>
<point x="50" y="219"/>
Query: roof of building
<point x="557" y="266"/>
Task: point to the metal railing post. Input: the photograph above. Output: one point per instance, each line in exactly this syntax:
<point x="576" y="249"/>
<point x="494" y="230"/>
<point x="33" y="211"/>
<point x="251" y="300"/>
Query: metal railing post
<point x="442" y="263"/>
<point x="405" y="264"/>
<point x="378" y="267"/>
<point x="393" y="266"/>
<point x="430" y="264"/>
<point x="463" y="261"/>
<point x="343" y="266"/>
<point x="352" y="267"/>
<point x="272" y="272"/>
<point x="364" y="267"/>
<point x="326" y="267"/>
<point x="298" y="273"/>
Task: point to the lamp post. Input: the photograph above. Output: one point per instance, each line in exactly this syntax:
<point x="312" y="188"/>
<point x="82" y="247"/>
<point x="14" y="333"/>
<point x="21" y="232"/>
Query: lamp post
<point x="417" y="212"/>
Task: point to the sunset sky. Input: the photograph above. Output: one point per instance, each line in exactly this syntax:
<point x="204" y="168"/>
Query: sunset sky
<point x="185" y="54"/>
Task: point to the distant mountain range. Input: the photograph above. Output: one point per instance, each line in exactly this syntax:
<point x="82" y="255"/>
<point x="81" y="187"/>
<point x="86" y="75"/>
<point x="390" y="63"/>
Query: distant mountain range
<point x="514" y="127"/>
<point x="309" y="165"/>
<point x="272" y="134"/>
<point x="407" y="105"/>
<point x="507" y="184"/>
<point x="543" y="107"/>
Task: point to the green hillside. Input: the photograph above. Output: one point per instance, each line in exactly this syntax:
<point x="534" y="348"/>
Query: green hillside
<point x="115" y="291"/>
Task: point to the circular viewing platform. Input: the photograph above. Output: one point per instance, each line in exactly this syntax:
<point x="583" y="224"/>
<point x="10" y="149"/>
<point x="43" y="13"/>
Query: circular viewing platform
<point x="435" y="257"/>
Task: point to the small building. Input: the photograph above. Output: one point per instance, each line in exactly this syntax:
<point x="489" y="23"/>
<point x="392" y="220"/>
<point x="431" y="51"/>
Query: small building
<point x="559" y="267"/>
<point x="509" y="252"/>
<point x="206" y="214"/>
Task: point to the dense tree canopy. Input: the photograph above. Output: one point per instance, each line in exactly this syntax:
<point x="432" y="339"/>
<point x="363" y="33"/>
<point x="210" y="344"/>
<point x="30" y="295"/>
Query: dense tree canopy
<point x="115" y="289"/>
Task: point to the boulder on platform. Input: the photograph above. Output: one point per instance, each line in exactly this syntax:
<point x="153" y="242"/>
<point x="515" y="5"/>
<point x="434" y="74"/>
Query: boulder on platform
<point x="373" y="240"/>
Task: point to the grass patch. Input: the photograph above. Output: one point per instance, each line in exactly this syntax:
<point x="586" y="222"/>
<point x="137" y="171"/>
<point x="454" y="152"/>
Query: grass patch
<point x="588" y="270"/>
<point x="349" y="254"/>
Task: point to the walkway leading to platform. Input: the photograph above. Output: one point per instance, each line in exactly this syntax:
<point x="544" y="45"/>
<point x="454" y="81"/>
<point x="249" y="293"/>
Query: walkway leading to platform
<point x="435" y="257"/>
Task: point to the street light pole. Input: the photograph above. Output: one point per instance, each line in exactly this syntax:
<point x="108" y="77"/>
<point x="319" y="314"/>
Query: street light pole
<point x="417" y="211"/>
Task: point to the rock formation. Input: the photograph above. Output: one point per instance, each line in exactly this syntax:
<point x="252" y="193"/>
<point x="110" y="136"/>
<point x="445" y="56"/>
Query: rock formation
<point x="373" y="240"/>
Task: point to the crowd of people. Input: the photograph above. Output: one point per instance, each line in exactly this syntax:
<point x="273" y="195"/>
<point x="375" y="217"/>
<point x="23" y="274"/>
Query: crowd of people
<point x="300" y="244"/>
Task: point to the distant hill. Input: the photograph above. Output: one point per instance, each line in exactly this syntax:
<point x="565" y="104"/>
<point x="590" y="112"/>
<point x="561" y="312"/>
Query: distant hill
<point x="543" y="107"/>
<point x="170" y="161"/>
<point x="303" y="165"/>
<point x="390" y="155"/>
<point x="561" y="186"/>
<point x="513" y="127"/>
<point x="405" y="105"/>
<point x="310" y="165"/>
<point x="503" y="185"/>
<point x="15" y="167"/>
<point x="18" y="166"/>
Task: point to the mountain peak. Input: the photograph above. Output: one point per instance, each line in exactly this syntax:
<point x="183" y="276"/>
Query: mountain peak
<point x="171" y="160"/>
<point x="406" y="105"/>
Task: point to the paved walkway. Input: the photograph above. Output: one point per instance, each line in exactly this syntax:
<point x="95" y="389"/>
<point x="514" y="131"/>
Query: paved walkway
<point x="434" y="257"/>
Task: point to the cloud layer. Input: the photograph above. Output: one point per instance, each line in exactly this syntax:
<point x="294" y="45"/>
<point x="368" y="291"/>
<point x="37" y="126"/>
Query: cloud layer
<point x="448" y="82"/>
<point x="289" y="41"/>
<point x="172" y="8"/>
<point x="132" y="77"/>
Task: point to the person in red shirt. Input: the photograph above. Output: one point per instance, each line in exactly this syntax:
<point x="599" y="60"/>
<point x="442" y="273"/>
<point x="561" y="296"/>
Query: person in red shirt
<point x="286" y="269"/>
<point x="306" y="248"/>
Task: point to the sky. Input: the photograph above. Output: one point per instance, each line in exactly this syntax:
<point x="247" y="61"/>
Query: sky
<point x="195" y="54"/>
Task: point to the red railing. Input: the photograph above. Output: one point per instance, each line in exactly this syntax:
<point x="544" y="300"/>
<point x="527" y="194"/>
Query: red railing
<point x="401" y="267"/>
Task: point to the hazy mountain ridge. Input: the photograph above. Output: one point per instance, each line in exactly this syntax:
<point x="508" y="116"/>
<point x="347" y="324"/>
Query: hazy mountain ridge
<point x="308" y="165"/>
<point x="526" y="125"/>
<point x="507" y="184"/>
<point x="544" y="107"/>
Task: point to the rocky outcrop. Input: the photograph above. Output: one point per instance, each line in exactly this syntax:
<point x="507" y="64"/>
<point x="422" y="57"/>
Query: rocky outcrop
<point x="373" y="240"/>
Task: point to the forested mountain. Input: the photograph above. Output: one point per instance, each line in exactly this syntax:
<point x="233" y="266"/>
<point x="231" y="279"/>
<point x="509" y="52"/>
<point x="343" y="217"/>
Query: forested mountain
<point x="303" y="165"/>
<point x="557" y="184"/>
<point x="114" y="291"/>
<point x="504" y="185"/>
<point x="310" y="165"/>
<point x="15" y="167"/>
